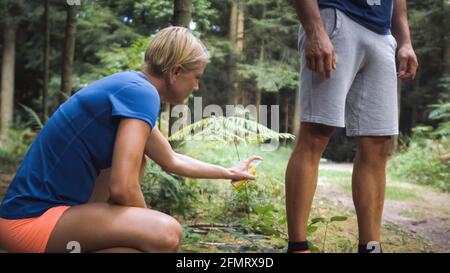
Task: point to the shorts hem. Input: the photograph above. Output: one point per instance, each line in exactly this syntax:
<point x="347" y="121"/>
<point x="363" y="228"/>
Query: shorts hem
<point x="371" y="132"/>
<point x="322" y="120"/>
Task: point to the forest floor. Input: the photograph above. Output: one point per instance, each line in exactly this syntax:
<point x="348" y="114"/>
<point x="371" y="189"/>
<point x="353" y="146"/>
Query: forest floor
<point x="417" y="210"/>
<point x="416" y="219"/>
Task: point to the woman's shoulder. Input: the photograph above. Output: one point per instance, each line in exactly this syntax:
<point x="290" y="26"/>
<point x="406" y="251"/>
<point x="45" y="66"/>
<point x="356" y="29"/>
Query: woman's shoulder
<point x="136" y="81"/>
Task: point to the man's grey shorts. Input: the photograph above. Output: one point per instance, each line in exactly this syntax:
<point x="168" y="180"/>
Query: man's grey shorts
<point x="362" y="92"/>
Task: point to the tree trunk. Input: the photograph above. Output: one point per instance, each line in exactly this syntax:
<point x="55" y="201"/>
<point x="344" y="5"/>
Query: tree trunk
<point x="233" y="22"/>
<point x="8" y="65"/>
<point x="232" y="61"/>
<point x="285" y="110"/>
<point x="399" y="99"/>
<point x="236" y="36"/>
<point x="182" y="11"/>
<point x="262" y="57"/>
<point x="447" y="47"/>
<point x="258" y="101"/>
<point x="240" y="27"/>
<point x="296" y="118"/>
<point x="44" y="113"/>
<point x="69" y="52"/>
<point x="182" y="14"/>
<point x="297" y="112"/>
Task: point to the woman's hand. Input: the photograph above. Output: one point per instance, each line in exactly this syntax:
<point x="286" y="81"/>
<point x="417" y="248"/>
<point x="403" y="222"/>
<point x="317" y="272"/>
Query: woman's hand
<point x="241" y="170"/>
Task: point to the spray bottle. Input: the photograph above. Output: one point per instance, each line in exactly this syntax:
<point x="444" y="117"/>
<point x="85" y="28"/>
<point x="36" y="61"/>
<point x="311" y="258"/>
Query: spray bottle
<point x="251" y="168"/>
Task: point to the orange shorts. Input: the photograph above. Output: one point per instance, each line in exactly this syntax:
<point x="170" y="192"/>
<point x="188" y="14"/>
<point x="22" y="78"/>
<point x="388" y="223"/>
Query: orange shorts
<point x="29" y="235"/>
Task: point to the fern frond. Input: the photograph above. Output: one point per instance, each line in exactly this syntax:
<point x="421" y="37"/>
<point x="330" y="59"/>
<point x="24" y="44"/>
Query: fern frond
<point x="232" y="129"/>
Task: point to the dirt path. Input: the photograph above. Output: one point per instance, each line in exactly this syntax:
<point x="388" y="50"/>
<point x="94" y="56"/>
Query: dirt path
<point x="427" y="215"/>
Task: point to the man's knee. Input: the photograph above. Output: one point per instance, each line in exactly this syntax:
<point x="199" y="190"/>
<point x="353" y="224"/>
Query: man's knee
<point x="374" y="149"/>
<point x="314" y="137"/>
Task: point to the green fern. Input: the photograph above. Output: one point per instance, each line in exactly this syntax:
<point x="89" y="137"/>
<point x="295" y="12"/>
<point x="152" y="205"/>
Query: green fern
<point x="33" y="115"/>
<point x="229" y="129"/>
<point x="441" y="112"/>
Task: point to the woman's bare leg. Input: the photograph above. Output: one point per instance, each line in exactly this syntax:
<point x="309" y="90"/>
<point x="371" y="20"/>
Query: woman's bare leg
<point x="118" y="250"/>
<point x="101" y="226"/>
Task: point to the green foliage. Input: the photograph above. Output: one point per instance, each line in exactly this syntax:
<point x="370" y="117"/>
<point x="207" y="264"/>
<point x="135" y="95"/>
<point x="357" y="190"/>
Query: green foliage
<point x="270" y="76"/>
<point x="14" y="147"/>
<point x="34" y="117"/>
<point x="255" y="212"/>
<point x="425" y="161"/>
<point x="313" y="228"/>
<point x="117" y="59"/>
<point x="441" y="113"/>
<point x="252" y="208"/>
<point x="167" y="192"/>
<point x="270" y="58"/>
<point x="112" y="37"/>
<point x="99" y="27"/>
<point x="430" y="30"/>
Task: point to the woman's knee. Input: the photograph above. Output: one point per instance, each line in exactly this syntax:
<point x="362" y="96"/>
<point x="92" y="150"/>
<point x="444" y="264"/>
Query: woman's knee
<point x="168" y="239"/>
<point x="172" y="238"/>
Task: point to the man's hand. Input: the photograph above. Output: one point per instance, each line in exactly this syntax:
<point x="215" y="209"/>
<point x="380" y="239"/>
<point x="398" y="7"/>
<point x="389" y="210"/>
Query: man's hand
<point x="319" y="52"/>
<point x="407" y="63"/>
<point x="407" y="60"/>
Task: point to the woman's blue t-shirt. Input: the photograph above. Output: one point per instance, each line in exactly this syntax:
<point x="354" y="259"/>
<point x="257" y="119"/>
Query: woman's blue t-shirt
<point x="77" y="142"/>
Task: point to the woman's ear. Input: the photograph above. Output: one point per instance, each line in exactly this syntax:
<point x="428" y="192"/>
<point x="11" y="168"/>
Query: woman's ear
<point x="175" y="71"/>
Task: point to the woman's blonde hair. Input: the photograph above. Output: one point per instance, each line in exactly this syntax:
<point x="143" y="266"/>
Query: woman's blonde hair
<point x="173" y="46"/>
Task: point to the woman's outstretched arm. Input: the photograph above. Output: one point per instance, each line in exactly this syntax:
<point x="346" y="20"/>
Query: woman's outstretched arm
<point x="160" y="151"/>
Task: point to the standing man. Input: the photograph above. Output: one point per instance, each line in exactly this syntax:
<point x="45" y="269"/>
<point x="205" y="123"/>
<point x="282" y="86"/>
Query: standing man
<point x="348" y="78"/>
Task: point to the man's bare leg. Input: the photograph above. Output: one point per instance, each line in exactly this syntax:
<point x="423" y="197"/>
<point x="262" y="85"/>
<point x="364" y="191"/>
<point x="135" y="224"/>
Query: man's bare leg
<point x="368" y="184"/>
<point x="301" y="177"/>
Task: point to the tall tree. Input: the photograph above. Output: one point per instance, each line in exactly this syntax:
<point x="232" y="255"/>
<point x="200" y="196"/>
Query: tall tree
<point x="182" y="12"/>
<point x="447" y="45"/>
<point x="270" y="60"/>
<point x="44" y="113"/>
<point x="69" y="51"/>
<point x="182" y="15"/>
<point x="12" y="10"/>
<point x="236" y="36"/>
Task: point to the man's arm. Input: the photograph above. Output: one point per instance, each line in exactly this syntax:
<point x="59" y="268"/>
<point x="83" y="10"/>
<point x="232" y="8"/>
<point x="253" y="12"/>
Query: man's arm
<point x="407" y="59"/>
<point x="160" y="151"/>
<point x="319" y="51"/>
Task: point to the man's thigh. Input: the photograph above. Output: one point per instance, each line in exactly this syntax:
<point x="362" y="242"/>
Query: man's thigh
<point x="372" y="106"/>
<point x="323" y="100"/>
